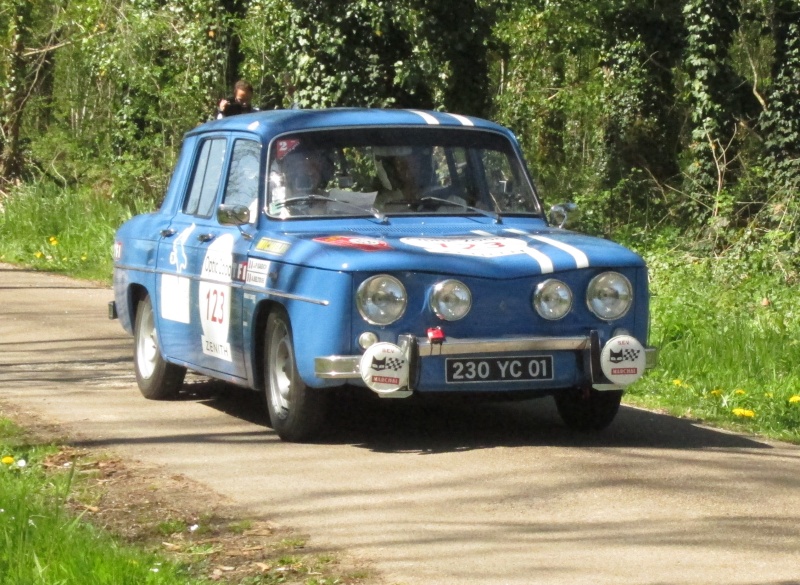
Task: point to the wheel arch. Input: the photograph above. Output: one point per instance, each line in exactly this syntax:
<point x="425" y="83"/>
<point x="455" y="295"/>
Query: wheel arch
<point x="136" y="292"/>
<point x="258" y="341"/>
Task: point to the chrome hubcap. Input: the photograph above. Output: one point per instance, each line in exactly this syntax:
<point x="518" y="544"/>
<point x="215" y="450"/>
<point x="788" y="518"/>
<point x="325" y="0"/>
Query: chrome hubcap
<point x="281" y="372"/>
<point x="147" y="345"/>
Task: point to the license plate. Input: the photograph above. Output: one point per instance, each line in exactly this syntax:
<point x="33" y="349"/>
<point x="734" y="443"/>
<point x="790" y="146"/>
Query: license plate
<point x="498" y="369"/>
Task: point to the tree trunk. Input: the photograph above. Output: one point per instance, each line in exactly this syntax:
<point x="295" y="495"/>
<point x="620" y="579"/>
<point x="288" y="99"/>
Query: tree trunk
<point x="15" y="92"/>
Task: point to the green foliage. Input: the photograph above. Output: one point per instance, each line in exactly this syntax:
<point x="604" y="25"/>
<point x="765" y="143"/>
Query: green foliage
<point x="726" y="329"/>
<point x="780" y="121"/>
<point x="63" y="230"/>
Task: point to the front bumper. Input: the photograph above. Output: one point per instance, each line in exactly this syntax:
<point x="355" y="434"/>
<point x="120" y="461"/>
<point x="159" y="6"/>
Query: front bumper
<point x="415" y="349"/>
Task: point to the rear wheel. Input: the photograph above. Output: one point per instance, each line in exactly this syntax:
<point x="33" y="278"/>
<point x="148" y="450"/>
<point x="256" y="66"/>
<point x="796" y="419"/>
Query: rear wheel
<point x="296" y="411"/>
<point x="590" y="411"/>
<point x="157" y="378"/>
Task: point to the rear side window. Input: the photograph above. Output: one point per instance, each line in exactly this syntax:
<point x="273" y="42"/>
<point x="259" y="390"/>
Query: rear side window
<point x="206" y="178"/>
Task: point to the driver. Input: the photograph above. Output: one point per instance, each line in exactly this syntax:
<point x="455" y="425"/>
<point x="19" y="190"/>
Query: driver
<point x="306" y="173"/>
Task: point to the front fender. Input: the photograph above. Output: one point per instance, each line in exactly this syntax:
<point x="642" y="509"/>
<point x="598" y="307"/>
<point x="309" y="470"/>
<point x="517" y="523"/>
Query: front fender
<point x="319" y="306"/>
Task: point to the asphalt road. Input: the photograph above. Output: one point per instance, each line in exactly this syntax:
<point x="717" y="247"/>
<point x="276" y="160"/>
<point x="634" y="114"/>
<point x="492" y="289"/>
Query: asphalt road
<point x="436" y="494"/>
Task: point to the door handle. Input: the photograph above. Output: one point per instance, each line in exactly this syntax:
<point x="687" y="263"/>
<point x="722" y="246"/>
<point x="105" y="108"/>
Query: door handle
<point x="205" y="237"/>
<point x="168" y="233"/>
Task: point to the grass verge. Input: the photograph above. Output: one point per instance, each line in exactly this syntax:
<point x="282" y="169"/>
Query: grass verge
<point x="730" y="344"/>
<point x="74" y="517"/>
<point x="48" y="228"/>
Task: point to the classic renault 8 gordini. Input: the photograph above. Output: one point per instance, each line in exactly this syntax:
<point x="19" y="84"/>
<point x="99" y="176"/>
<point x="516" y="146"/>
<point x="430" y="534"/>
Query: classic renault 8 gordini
<point x="402" y="251"/>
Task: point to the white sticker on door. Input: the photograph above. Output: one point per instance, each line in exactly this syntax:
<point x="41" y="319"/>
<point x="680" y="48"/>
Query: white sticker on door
<point x="215" y="298"/>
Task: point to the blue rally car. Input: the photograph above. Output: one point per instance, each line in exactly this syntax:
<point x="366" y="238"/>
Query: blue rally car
<point x="403" y="251"/>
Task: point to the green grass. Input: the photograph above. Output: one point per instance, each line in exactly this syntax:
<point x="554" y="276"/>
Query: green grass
<point x="41" y="543"/>
<point x="730" y="344"/>
<point x="44" y="540"/>
<point x="49" y="228"/>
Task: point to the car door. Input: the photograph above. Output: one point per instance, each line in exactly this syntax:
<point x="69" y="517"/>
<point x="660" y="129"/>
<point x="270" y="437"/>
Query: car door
<point x="224" y="265"/>
<point x="201" y="264"/>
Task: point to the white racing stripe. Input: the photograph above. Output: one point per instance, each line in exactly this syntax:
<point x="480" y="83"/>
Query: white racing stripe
<point x="425" y="116"/>
<point x="581" y="259"/>
<point x="545" y="263"/>
<point x="543" y="259"/>
<point x="462" y="119"/>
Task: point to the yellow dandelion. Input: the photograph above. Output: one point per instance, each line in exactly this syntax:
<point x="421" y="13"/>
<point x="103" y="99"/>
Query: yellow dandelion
<point x="740" y="392"/>
<point x="53" y="241"/>
<point x="677" y="382"/>
<point x="716" y="392"/>
<point x="7" y="460"/>
<point x="744" y="413"/>
<point x="38" y="254"/>
<point x="794" y="399"/>
<point x="83" y="257"/>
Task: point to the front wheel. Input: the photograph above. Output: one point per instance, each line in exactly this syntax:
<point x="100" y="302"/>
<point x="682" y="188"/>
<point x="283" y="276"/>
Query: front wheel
<point x="157" y="378"/>
<point x="592" y="411"/>
<point x="296" y="412"/>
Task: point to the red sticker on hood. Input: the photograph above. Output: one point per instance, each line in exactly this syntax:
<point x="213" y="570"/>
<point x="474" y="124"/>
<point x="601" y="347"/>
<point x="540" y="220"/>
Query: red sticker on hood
<point x="357" y="242"/>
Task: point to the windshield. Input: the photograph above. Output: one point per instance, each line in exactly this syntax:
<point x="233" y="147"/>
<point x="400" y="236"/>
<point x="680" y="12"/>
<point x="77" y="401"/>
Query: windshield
<point x="396" y="171"/>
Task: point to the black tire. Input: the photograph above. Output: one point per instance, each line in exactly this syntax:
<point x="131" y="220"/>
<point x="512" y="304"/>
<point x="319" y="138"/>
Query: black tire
<point x="588" y="412"/>
<point x="296" y="412"/>
<point x="157" y="378"/>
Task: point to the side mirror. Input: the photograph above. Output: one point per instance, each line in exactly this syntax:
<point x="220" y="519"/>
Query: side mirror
<point x="564" y="215"/>
<point x="233" y="214"/>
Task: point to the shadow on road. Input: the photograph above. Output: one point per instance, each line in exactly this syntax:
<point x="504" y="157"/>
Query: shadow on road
<point x="427" y="427"/>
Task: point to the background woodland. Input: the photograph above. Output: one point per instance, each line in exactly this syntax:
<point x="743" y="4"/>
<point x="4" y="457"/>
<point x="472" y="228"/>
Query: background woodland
<point x="674" y="120"/>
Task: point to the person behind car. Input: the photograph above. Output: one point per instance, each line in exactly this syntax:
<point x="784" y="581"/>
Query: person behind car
<point x="239" y="103"/>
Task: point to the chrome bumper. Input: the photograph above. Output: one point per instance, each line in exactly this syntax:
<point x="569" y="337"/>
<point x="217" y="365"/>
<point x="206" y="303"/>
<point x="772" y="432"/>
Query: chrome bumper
<point x="345" y="367"/>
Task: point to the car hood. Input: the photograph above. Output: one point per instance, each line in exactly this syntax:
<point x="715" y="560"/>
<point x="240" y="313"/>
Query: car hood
<point x="483" y="250"/>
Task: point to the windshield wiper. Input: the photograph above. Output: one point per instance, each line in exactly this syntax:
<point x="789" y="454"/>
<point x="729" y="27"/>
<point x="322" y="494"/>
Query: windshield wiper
<point x="495" y="216"/>
<point x="306" y="198"/>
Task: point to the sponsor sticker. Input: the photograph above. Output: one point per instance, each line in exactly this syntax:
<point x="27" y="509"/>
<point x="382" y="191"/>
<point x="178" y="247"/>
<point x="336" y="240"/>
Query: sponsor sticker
<point x="384" y="368"/>
<point x="277" y="247"/>
<point x="284" y="147"/>
<point x="481" y="247"/>
<point x="240" y="271"/>
<point x="623" y="360"/>
<point x="214" y="301"/>
<point x="257" y="272"/>
<point x="177" y="256"/>
<point x="356" y="242"/>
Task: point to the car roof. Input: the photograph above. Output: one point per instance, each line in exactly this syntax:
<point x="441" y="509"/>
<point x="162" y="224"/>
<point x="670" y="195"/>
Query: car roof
<point x="271" y="123"/>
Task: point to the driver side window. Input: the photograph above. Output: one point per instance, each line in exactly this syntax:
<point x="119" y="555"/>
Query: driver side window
<point x="243" y="176"/>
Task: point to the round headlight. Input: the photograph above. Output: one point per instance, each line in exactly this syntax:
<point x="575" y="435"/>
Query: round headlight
<point x="609" y="295"/>
<point x="552" y="299"/>
<point x="451" y="300"/>
<point x="381" y="299"/>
